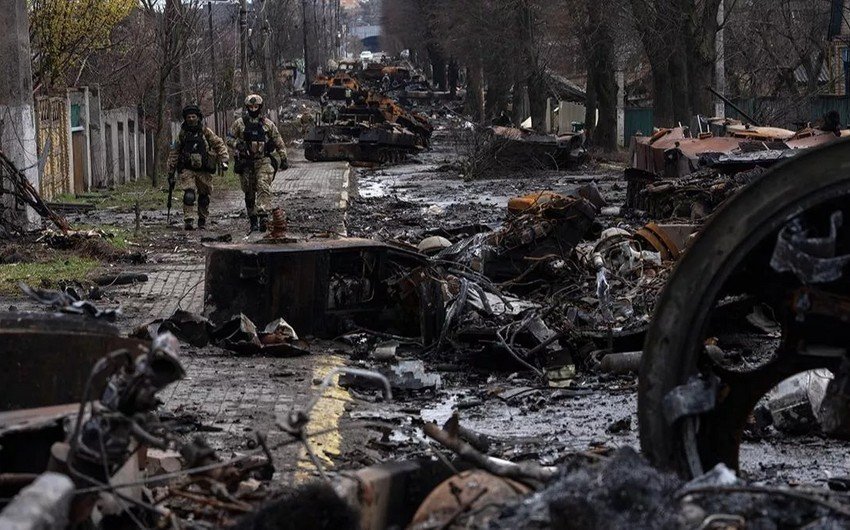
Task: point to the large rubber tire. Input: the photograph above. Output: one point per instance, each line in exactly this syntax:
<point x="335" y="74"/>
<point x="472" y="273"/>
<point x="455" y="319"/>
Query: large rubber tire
<point x="674" y="340"/>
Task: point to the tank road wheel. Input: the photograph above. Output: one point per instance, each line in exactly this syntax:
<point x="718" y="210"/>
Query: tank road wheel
<point x="704" y="366"/>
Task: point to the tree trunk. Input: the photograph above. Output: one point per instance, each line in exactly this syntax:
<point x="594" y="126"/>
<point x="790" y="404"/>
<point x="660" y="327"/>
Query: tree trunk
<point x="537" y="96"/>
<point x="453" y="75"/>
<point x="174" y="83"/>
<point x="535" y="72"/>
<point x="438" y="67"/>
<point x="520" y="101"/>
<point x="601" y="79"/>
<point x="700" y="33"/>
<point x="496" y="99"/>
<point x="160" y="141"/>
<point x="591" y="103"/>
<point x="662" y="93"/>
<point x="605" y="135"/>
<point x="475" y="92"/>
<point x="662" y="30"/>
<point x="678" y="68"/>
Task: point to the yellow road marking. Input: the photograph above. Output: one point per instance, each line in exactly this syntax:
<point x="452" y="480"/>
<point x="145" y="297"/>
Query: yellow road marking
<point x="326" y="415"/>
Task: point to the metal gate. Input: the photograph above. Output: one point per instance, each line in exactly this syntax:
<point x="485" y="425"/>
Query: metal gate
<point x="637" y="120"/>
<point x="52" y="129"/>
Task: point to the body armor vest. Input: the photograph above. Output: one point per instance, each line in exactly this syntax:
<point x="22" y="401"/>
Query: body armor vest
<point x="194" y="152"/>
<point x="256" y="138"/>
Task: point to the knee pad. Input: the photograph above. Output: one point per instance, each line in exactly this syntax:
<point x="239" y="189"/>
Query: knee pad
<point x="203" y="200"/>
<point x="189" y="197"/>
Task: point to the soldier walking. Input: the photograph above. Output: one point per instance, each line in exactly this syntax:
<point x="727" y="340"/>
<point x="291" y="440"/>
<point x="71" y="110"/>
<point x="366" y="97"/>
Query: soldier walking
<point x="259" y="154"/>
<point x="196" y="154"/>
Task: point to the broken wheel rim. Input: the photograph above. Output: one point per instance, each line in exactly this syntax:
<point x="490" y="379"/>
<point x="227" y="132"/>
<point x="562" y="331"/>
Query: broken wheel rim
<point x="710" y="413"/>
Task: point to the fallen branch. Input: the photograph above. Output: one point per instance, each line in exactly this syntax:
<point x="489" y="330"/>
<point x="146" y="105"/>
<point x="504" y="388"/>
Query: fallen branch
<point x="24" y="191"/>
<point x="496" y="466"/>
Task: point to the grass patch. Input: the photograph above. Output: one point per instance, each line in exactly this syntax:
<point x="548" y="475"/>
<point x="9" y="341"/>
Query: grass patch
<point x="49" y="273"/>
<point x="228" y="181"/>
<point x="70" y="198"/>
<point x="123" y="198"/>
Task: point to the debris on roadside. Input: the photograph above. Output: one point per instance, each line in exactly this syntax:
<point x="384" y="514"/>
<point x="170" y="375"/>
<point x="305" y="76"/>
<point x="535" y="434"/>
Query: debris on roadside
<point x="69" y="301"/>
<point x="93" y="243"/>
<point x="238" y="334"/>
<point x="403" y="376"/>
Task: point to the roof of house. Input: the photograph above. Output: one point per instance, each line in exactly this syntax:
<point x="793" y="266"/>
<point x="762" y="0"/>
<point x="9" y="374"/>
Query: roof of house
<point x="563" y="89"/>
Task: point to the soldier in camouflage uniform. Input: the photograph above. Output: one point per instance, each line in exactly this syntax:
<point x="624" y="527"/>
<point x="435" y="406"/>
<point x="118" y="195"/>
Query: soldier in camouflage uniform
<point x="196" y="154"/>
<point x="259" y="152"/>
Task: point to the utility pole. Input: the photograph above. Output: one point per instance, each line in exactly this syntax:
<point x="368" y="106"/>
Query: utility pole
<point x="720" y="63"/>
<point x="338" y="31"/>
<point x="307" y="72"/>
<point x="268" y="71"/>
<point x="214" y="70"/>
<point x="243" y="51"/>
<point x="17" y="113"/>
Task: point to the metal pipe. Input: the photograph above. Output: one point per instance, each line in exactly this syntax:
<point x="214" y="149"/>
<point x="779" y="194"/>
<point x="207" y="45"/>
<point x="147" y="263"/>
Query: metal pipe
<point x="736" y="107"/>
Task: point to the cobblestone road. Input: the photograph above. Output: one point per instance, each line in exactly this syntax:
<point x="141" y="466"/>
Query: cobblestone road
<point x="235" y="396"/>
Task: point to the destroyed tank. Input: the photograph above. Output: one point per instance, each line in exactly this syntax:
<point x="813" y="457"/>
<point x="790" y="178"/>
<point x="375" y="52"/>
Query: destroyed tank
<point x="375" y="143"/>
<point x="324" y="143"/>
<point x="377" y="130"/>
<point x="335" y="88"/>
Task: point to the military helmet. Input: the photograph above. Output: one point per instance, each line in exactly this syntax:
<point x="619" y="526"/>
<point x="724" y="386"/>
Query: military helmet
<point x="254" y="99"/>
<point x="192" y="109"/>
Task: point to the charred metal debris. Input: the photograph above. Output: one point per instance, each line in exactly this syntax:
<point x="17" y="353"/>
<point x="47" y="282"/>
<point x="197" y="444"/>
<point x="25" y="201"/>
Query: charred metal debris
<point x="566" y="285"/>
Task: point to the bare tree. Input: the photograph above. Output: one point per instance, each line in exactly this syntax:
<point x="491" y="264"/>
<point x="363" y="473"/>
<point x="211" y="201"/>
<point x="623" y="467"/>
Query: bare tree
<point x="175" y="28"/>
<point x="781" y="48"/>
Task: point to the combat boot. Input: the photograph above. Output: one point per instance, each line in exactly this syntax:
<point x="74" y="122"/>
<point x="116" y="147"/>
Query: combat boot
<point x="264" y="225"/>
<point x="202" y="223"/>
<point x="254" y="226"/>
<point x="188" y="225"/>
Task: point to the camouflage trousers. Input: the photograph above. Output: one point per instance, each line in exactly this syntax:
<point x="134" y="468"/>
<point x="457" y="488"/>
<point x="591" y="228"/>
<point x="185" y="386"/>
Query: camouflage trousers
<point x="256" y="183"/>
<point x="200" y="183"/>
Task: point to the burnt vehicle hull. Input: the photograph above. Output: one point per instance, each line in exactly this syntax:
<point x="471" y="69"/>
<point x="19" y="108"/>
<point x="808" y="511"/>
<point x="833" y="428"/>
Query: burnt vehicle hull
<point x="672" y="153"/>
<point x="321" y="288"/>
<point x="48" y="357"/>
<point x="764" y="250"/>
<point x="542" y="150"/>
<point x="378" y="143"/>
<point x="325" y="143"/>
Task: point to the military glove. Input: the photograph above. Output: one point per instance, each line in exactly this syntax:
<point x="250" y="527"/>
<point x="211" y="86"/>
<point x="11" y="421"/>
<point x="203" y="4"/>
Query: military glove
<point x="284" y="163"/>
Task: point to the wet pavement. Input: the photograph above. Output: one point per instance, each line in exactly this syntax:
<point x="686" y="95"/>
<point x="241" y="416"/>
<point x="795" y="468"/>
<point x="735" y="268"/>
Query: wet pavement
<point x="227" y="398"/>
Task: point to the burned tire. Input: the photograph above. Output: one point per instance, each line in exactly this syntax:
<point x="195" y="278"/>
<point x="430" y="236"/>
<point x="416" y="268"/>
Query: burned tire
<point x="674" y="352"/>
